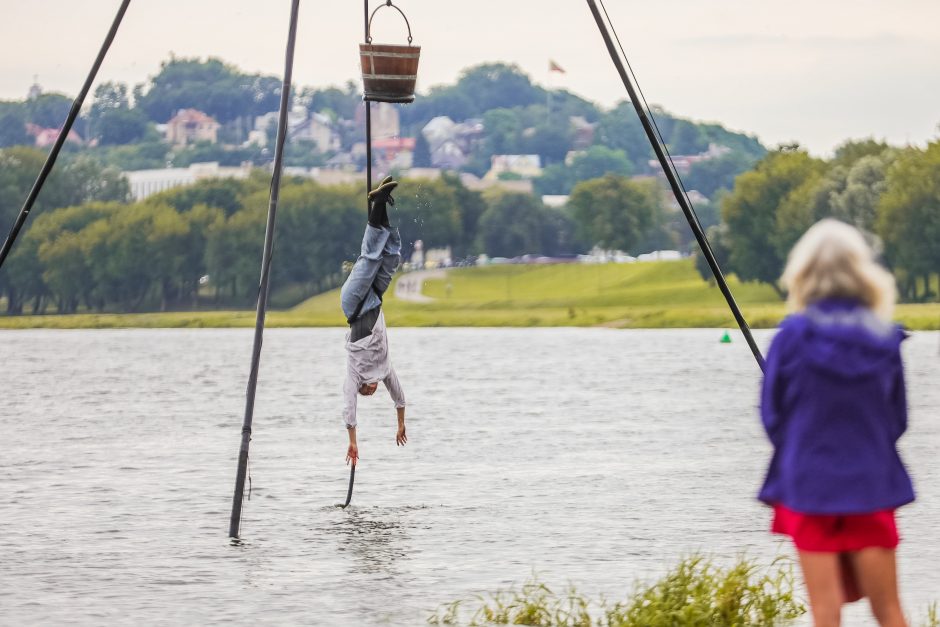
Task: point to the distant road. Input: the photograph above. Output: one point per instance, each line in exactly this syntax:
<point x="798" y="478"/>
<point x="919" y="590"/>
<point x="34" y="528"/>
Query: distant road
<point x="409" y="286"/>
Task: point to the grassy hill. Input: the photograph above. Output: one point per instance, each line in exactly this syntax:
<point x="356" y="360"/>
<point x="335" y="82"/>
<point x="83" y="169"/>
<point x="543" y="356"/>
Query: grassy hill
<point x="667" y="294"/>
<point x="662" y="294"/>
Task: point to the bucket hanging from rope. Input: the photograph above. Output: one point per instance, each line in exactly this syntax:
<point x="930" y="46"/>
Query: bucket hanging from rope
<point x="389" y="71"/>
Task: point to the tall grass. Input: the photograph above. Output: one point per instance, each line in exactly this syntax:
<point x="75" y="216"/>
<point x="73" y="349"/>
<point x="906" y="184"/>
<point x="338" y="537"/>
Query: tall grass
<point x="933" y="616"/>
<point x="695" y="592"/>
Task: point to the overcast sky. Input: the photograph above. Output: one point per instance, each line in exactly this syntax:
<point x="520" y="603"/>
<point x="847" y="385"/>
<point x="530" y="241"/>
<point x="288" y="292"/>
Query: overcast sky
<point x="813" y="71"/>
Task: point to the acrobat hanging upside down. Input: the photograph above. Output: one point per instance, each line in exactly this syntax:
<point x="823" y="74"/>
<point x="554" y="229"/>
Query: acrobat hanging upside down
<point x="367" y="359"/>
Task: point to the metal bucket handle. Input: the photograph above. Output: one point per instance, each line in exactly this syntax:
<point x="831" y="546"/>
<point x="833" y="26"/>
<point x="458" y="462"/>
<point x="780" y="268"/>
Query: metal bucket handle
<point x="388" y="3"/>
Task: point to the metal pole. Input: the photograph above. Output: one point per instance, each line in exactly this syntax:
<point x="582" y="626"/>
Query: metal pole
<point x="63" y="135"/>
<point x="368" y="118"/>
<point x="676" y="187"/>
<point x="265" y="273"/>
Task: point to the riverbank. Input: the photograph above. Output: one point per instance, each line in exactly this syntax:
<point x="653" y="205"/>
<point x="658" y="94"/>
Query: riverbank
<point x="668" y="294"/>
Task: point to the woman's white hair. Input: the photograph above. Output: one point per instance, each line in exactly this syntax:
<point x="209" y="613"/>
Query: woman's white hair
<point x="832" y="260"/>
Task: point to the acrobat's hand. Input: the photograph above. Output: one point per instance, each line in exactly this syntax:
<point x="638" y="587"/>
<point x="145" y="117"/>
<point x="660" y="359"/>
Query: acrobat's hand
<point x="401" y="438"/>
<point x="352" y="454"/>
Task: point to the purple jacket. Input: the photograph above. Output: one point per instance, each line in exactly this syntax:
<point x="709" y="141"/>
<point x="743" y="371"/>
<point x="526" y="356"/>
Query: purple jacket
<point x="833" y="405"/>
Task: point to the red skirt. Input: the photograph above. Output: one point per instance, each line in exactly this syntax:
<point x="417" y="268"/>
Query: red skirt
<point x="837" y="533"/>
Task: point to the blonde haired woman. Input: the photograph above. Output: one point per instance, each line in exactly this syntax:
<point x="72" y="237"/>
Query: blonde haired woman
<point x="833" y="404"/>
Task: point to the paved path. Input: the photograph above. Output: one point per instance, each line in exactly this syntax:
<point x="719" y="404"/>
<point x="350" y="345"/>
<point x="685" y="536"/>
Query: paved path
<point x="408" y="287"/>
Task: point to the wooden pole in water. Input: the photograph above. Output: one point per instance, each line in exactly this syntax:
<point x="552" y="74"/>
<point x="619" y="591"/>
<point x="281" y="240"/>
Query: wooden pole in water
<point x="63" y="135"/>
<point x="265" y="273"/>
<point x="676" y="185"/>
<point x="368" y="118"/>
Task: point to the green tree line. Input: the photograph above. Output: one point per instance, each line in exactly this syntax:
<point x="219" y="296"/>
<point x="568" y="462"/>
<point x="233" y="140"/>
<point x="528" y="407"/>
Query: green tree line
<point x="99" y="252"/>
<point x="891" y="194"/>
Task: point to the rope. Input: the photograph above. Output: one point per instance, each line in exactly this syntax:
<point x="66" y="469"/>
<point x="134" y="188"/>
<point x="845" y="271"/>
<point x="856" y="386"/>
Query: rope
<point x="665" y="159"/>
<point x="649" y="112"/>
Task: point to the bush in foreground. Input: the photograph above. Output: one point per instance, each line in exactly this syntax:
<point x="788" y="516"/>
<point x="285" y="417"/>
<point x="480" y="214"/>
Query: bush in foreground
<point x="695" y="592"/>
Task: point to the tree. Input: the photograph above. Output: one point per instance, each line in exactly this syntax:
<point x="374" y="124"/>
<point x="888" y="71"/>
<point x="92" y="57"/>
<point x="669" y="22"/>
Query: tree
<point x="168" y="239"/>
<point x="470" y="205"/>
<point x="121" y="126"/>
<point x="340" y="103"/>
<point x="550" y="139"/>
<point x="19" y="167"/>
<point x="684" y="137"/>
<point x="503" y="131"/>
<point x="594" y="163"/>
<point x="865" y="183"/>
<point x="614" y="212"/>
<point x="803" y="206"/>
<point x="478" y="90"/>
<point x="718" y="242"/>
<point x="111" y="120"/>
<point x="233" y="253"/>
<point x="422" y="153"/>
<point x="13" y="125"/>
<point x="427" y="210"/>
<point x="711" y="175"/>
<point x="65" y="270"/>
<point x="559" y="233"/>
<point x="86" y="180"/>
<point x="211" y="86"/>
<point x="908" y="216"/>
<point x="150" y="153"/>
<point x="226" y="194"/>
<point x="75" y="180"/>
<point x="511" y="225"/>
<point x="48" y="110"/>
<point x="620" y="129"/>
<point x="320" y="227"/>
<point x="750" y="211"/>
<point x="25" y="268"/>
<point x="600" y="161"/>
<point x="566" y="104"/>
<point x="851" y="151"/>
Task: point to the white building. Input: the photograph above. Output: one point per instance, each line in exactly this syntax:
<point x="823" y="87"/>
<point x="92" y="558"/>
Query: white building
<point x="526" y="166"/>
<point x="301" y="126"/>
<point x="555" y="201"/>
<point x="144" y="183"/>
<point x="318" y="129"/>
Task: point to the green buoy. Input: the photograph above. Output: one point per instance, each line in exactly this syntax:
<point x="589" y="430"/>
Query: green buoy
<point x="726" y="338"/>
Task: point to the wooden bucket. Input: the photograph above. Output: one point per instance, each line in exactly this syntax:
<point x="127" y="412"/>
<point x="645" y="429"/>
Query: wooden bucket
<point x="389" y="71"/>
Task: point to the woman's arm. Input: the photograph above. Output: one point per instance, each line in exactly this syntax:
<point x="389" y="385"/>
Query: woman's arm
<point x="898" y="401"/>
<point x="772" y="387"/>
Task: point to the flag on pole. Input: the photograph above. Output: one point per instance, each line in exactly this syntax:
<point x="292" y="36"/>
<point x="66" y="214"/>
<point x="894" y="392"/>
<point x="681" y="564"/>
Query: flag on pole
<point x="554" y="67"/>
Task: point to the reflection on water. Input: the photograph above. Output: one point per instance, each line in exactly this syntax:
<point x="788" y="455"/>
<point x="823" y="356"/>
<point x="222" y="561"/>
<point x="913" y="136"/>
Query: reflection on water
<point x="374" y="536"/>
<point x="592" y="456"/>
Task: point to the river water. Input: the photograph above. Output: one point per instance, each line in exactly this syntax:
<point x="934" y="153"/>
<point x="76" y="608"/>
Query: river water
<point x="592" y="456"/>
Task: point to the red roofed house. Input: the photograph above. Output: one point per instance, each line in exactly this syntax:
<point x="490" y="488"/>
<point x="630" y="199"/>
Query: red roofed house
<point x="394" y="149"/>
<point x="46" y="136"/>
<point x="190" y="126"/>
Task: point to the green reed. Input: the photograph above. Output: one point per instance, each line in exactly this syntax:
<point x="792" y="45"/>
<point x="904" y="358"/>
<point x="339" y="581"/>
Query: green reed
<point x="694" y="592"/>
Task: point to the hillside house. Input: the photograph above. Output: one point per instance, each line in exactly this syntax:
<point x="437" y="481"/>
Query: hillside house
<point x="190" y="126"/>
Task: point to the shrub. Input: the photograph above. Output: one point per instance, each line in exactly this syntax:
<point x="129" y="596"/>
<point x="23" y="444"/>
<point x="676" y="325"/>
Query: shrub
<point x="694" y="592"/>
